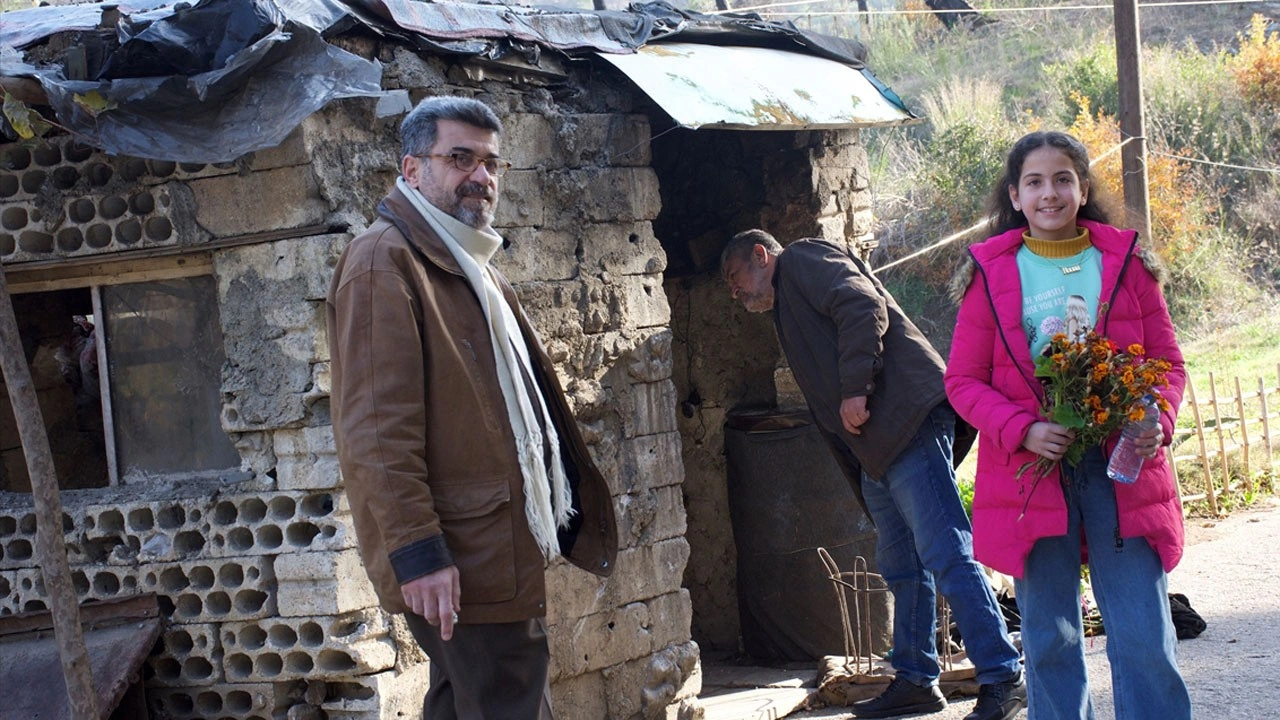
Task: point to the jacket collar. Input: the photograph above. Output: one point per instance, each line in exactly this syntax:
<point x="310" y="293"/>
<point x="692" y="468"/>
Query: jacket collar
<point x="396" y="209"/>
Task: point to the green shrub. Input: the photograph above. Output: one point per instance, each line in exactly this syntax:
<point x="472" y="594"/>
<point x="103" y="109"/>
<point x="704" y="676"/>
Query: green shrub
<point x="1089" y="76"/>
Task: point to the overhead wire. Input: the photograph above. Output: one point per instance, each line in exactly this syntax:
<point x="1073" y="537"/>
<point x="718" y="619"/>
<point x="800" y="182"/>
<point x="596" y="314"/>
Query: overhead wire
<point x="962" y="233"/>
<point x="769" y="8"/>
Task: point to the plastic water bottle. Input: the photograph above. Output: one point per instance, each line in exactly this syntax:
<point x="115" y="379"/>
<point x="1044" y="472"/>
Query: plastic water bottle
<point x="1125" y="461"/>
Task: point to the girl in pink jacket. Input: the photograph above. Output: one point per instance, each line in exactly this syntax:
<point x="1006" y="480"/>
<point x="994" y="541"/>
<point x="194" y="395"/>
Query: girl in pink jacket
<point x="1052" y="259"/>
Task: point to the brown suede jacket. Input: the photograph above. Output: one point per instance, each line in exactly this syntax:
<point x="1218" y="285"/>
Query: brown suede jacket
<point x="427" y="452"/>
<point x="845" y="336"/>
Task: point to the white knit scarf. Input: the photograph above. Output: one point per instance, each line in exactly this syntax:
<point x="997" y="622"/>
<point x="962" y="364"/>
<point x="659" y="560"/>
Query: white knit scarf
<point x="548" y="503"/>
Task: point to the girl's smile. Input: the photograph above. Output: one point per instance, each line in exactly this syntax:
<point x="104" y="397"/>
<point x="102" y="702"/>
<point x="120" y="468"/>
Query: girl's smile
<point x="1049" y="194"/>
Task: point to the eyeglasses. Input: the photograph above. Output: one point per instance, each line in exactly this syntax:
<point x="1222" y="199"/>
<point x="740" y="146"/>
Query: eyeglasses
<point x="467" y="162"/>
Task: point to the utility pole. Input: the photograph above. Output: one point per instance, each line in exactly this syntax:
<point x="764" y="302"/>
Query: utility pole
<point x="1133" y="124"/>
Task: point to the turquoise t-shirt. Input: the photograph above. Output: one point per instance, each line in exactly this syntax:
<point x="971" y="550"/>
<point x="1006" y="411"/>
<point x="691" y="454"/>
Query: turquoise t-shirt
<point x="1059" y="295"/>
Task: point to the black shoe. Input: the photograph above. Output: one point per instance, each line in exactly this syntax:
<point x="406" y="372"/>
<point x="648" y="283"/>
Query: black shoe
<point x="902" y="697"/>
<point x="1000" y="701"/>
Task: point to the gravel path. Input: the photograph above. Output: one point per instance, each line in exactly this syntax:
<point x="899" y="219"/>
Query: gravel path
<point x="1230" y="572"/>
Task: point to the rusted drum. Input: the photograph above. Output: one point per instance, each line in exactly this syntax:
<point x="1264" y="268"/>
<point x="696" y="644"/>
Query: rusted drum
<point x="788" y="497"/>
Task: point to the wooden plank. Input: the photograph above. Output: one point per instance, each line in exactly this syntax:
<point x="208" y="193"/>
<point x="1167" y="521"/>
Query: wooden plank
<point x="51" y="550"/>
<point x="1204" y="454"/>
<point x="111" y="272"/>
<point x="755" y="704"/>
<point x="1244" y="437"/>
<point x="1217" y="423"/>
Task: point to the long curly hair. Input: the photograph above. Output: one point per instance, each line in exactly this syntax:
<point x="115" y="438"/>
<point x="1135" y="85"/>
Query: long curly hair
<point x="1004" y="217"/>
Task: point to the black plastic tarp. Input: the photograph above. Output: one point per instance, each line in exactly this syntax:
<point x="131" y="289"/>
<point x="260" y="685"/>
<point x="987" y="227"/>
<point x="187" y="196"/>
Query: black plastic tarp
<point x="211" y="80"/>
<point x="207" y="82"/>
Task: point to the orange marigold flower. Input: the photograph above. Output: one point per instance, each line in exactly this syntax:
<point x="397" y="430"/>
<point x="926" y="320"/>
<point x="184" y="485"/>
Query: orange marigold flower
<point x="1134" y="349"/>
<point x="1100" y="416"/>
<point x="1137" y="413"/>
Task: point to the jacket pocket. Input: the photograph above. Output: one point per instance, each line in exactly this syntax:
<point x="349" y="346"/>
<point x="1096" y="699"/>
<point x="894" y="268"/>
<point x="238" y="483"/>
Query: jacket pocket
<point x="477" y="524"/>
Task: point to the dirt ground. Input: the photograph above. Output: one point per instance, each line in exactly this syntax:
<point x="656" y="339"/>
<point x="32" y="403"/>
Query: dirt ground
<point x="1230" y="575"/>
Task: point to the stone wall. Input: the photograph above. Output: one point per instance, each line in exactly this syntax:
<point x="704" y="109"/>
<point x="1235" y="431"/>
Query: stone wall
<point x="269" y="610"/>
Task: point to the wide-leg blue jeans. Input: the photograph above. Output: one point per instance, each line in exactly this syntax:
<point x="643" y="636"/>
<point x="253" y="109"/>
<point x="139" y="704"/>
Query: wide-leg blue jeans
<point x="1130" y="586"/>
<point x="925" y="545"/>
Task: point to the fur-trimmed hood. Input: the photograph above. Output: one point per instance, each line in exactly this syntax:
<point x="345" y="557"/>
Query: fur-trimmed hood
<point x="1103" y="236"/>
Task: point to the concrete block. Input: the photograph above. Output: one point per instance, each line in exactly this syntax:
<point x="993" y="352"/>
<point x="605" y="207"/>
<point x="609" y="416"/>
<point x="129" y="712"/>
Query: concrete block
<point x="188" y="656"/>
<point x="599" y="641"/>
<point x="653" y="409"/>
<point x="572" y="593"/>
<point x="391" y="694"/>
<point x="641" y="301"/>
<point x="650" y="360"/>
<point x="621" y="248"/>
<point x="533" y="254"/>
<point x="276" y="523"/>
<point x="277" y="199"/>
<point x="322" y="583"/>
<point x="307" y="458"/>
<point x="305" y="442"/>
<point x="616" y="194"/>
<point x="651" y="461"/>
<point x="670" y="617"/>
<point x="245" y="701"/>
<point x="522" y="201"/>
<point x="291" y="151"/>
<point x="319" y="647"/>
<point x="647" y="686"/>
<point x="314" y="473"/>
<point x="651" y="515"/>
<point x="581" y="696"/>
<point x="529" y="141"/>
<point x="604" y="139"/>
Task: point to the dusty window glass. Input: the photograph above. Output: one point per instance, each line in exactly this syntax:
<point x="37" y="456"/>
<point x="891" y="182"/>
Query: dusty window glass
<point x="59" y="342"/>
<point x="165" y="356"/>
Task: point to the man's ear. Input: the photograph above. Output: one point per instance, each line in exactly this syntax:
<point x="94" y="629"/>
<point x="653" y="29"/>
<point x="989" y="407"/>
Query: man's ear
<point x="760" y="255"/>
<point x="410" y="168"/>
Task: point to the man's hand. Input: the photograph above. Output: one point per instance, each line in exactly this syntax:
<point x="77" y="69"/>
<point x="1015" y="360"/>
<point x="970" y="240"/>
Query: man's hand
<point x="854" y="414"/>
<point x="1048" y="440"/>
<point x="436" y="597"/>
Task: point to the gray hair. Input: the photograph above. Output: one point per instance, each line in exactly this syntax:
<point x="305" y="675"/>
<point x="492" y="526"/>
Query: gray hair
<point x="418" y="131"/>
<point x="739" y="246"/>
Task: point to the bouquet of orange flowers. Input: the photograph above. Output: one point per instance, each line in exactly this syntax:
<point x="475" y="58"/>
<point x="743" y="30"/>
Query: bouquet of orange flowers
<point x="1092" y="387"/>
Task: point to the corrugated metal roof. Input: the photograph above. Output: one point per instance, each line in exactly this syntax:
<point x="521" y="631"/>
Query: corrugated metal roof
<point x="757" y="88"/>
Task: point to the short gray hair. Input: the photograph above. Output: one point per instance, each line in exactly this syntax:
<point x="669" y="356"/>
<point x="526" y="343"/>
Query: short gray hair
<point x="740" y="245"/>
<point x="418" y="131"/>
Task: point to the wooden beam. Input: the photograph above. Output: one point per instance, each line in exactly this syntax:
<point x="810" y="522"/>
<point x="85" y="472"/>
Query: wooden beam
<point x="27" y="90"/>
<point x="1133" y="156"/>
<point x="51" y="549"/>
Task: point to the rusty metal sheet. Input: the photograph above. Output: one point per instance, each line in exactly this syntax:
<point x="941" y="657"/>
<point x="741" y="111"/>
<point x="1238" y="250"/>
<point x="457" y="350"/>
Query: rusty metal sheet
<point x="755" y="88"/>
<point x="119" y="635"/>
<point x="559" y="29"/>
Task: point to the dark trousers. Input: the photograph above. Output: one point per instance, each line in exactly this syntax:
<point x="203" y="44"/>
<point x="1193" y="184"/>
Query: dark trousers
<point x="486" y="672"/>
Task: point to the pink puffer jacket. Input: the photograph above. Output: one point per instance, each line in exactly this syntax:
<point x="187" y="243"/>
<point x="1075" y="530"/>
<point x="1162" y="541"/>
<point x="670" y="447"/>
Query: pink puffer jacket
<point x="990" y="384"/>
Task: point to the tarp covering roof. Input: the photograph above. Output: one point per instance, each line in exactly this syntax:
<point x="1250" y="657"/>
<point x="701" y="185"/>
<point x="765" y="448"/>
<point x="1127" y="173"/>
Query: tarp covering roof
<point x="213" y="80"/>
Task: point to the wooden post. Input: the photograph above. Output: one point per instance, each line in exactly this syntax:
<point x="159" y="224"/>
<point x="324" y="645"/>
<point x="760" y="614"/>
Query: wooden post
<point x="1222" y="441"/>
<point x="1133" y="156"/>
<point x="1266" y="423"/>
<point x="1204" y="450"/>
<point x="1244" y="438"/>
<point x="51" y="550"/>
<point x="864" y="20"/>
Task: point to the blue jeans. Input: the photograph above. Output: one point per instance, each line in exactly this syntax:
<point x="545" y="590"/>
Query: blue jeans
<point x="925" y="545"/>
<point x="1131" y="589"/>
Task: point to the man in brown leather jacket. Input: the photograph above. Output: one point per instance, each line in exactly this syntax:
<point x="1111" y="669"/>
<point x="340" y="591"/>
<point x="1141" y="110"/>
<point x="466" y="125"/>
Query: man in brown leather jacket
<point x="464" y="467"/>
